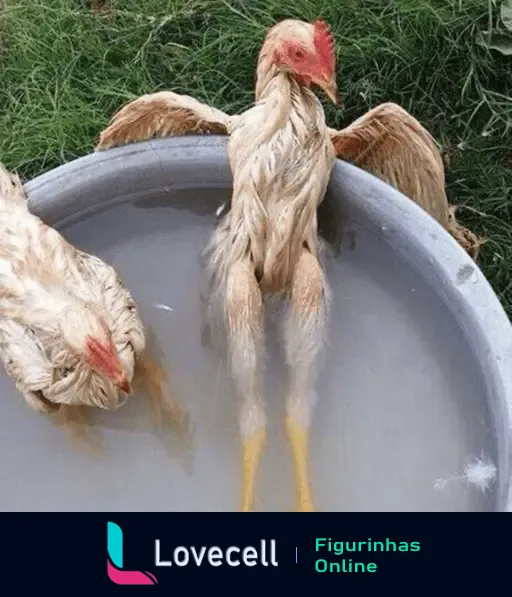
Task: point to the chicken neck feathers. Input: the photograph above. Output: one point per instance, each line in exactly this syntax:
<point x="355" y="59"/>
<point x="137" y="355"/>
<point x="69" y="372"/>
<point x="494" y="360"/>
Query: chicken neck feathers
<point x="279" y="179"/>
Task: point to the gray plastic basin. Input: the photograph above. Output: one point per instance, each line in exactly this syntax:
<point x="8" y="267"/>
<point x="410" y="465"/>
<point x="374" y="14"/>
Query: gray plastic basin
<point x="418" y="378"/>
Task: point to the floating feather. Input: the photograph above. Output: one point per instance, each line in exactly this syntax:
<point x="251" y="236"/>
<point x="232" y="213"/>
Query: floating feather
<point x="163" y="307"/>
<point x="480" y="472"/>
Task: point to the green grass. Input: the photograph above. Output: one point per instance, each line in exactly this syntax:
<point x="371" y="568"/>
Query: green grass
<point x="65" y="68"/>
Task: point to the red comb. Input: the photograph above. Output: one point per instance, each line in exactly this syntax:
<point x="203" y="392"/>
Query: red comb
<point x="324" y="44"/>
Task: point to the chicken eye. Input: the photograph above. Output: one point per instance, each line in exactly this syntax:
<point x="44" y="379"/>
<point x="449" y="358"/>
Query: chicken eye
<point x="298" y="55"/>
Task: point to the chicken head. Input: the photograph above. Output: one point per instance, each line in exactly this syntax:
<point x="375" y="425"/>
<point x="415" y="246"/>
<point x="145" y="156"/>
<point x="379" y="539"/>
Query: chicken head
<point x="88" y="336"/>
<point x="307" y="51"/>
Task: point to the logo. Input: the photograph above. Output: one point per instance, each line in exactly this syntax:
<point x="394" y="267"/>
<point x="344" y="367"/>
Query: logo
<point x="115" y="570"/>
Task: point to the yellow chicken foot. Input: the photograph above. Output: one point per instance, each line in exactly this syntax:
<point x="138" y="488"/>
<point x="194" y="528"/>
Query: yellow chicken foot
<point x="298" y="437"/>
<point x="252" y="449"/>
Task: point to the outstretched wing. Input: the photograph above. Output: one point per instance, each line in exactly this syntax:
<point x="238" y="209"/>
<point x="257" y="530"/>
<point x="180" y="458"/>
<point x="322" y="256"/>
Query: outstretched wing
<point x="391" y="144"/>
<point x="163" y="114"/>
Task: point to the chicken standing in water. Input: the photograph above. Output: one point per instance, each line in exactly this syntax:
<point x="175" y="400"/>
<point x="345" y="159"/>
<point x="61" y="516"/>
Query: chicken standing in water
<point x="70" y="332"/>
<point x="387" y="141"/>
<point x="281" y="157"/>
<point x="267" y="242"/>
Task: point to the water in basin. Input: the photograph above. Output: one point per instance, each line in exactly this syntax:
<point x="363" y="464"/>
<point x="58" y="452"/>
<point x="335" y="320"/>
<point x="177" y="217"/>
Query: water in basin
<point x="400" y="405"/>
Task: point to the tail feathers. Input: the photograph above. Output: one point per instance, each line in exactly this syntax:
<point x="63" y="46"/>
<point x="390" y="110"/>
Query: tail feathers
<point x="11" y="187"/>
<point x="468" y="240"/>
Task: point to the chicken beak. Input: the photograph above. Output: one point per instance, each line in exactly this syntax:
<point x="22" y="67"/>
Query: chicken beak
<point x="331" y="89"/>
<point x="124" y="385"/>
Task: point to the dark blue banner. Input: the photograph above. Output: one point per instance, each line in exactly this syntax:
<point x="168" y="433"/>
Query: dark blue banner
<point x="97" y="554"/>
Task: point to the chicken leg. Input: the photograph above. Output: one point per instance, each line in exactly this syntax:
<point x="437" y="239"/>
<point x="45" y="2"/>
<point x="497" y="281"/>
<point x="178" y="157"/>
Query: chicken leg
<point x="304" y="334"/>
<point x="244" y="314"/>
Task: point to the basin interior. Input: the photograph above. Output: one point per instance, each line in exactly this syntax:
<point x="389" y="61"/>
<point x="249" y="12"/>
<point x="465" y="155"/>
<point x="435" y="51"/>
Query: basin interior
<point x="400" y="405"/>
